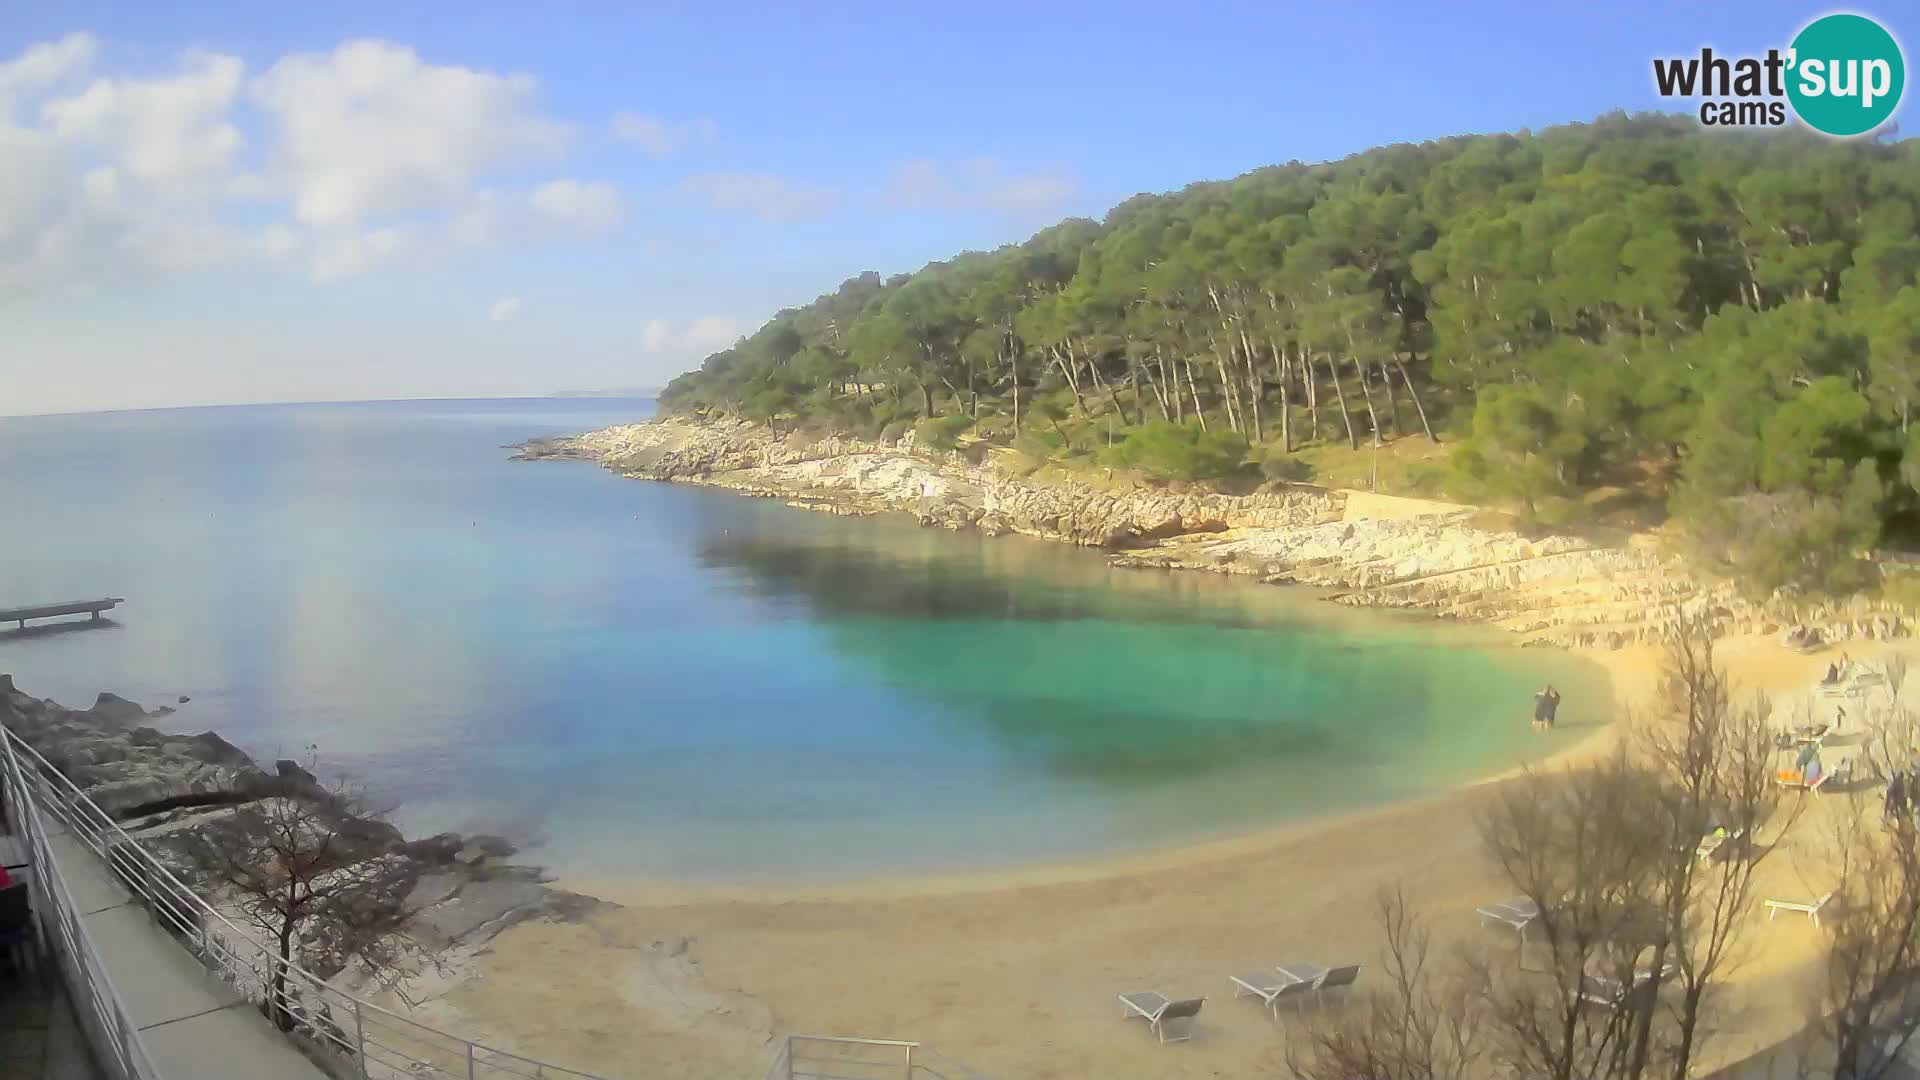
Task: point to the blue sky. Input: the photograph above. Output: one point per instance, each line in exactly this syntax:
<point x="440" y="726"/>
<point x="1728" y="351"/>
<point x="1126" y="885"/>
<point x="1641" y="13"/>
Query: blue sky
<point x="246" y="202"/>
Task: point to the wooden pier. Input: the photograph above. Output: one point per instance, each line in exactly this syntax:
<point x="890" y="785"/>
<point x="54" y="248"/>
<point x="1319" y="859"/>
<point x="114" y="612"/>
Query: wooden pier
<point x="20" y="615"/>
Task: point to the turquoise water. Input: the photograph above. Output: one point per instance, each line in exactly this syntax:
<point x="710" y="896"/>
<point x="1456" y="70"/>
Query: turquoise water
<point x="661" y="681"/>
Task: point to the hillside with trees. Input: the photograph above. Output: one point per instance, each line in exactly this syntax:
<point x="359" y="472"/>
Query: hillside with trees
<point x="1634" y="320"/>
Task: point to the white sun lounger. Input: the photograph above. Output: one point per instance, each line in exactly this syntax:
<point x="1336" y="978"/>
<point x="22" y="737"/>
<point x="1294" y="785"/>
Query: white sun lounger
<point x="1311" y="974"/>
<point x="1271" y="988"/>
<point x="1338" y="979"/>
<point x="1312" y="978"/>
<point x="1518" y="913"/>
<point x="1603" y="990"/>
<point x="1159" y="1011"/>
<point x="1855" y="680"/>
<point x="1809" y="908"/>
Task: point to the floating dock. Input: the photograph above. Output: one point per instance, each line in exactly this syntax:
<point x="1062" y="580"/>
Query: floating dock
<point x="20" y="615"/>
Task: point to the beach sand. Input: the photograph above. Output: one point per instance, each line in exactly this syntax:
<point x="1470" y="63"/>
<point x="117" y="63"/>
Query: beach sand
<point x="1015" y="974"/>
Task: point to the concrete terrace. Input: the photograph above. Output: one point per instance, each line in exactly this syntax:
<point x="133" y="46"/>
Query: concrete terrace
<point x="40" y="1037"/>
<point x="151" y="1007"/>
<point x="193" y="1025"/>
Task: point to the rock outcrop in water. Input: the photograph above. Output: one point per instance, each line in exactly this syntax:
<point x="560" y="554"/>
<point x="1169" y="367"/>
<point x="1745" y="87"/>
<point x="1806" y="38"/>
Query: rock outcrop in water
<point x="459" y="893"/>
<point x="163" y="787"/>
<point x="1366" y="550"/>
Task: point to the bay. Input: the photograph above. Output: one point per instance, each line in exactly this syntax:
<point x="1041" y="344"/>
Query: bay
<point x="666" y="682"/>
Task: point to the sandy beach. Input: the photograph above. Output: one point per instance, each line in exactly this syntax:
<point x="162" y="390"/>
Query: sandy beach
<point x="1016" y="974"/>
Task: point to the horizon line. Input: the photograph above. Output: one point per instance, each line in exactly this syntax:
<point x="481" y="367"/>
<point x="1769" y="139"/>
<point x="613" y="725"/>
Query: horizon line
<point x="560" y="395"/>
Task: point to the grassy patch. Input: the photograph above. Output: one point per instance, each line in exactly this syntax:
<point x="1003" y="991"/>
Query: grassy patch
<point x="1410" y="465"/>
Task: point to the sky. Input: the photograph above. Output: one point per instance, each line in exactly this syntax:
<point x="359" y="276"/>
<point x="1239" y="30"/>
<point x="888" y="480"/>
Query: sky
<point x="209" y="203"/>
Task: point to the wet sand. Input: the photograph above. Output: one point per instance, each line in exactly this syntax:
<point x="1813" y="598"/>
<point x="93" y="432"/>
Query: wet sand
<point x="1015" y="974"/>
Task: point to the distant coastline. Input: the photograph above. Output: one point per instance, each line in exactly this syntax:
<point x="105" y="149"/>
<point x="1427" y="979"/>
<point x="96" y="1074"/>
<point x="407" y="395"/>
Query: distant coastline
<point x="1369" y="550"/>
<point x="613" y="392"/>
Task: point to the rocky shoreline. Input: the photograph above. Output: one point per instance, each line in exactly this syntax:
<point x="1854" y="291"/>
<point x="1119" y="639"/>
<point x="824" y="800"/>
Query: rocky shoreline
<point x="1367" y="550"/>
<point x="455" y="893"/>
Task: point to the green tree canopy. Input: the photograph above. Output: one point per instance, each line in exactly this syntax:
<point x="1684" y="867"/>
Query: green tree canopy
<point x="1720" y="321"/>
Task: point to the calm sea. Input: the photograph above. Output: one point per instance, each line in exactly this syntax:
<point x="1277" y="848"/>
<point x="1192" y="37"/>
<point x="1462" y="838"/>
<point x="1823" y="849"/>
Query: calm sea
<point x="659" y="681"/>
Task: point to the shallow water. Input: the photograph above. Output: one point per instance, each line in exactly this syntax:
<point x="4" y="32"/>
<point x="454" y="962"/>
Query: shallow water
<point x="661" y="681"/>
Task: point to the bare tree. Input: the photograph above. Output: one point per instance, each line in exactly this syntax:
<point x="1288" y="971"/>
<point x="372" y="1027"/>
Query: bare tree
<point x="1891" y="740"/>
<point x="1642" y="868"/>
<point x="315" y="870"/>
<point x="1580" y="847"/>
<point x="1422" y="1027"/>
<point x="1712" y="766"/>
<point x="1873" y="952"/>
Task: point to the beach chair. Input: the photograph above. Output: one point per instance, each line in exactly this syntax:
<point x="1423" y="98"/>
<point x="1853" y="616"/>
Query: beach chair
<point x="1609" y="992"/>
<point x="1601" y="990"/>
<point x="1518" y="913"/>
<point x="1338" y="979"/>
<point x="1809" y="908"/>
<point x="1711" y="843"/>
<point x="1795" y="778"/>
<point x="1854" y="681"/>
<point x="1271" y="988"/>
<point x="1160" y="1012"/>
<point x="1310" y="974"/>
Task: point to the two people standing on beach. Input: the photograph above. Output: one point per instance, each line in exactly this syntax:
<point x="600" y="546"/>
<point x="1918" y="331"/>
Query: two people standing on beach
<point x="1546" y="705"/>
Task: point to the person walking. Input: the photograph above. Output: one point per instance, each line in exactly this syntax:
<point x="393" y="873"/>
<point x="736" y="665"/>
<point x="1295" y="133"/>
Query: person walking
<point x="1896" y="797"/>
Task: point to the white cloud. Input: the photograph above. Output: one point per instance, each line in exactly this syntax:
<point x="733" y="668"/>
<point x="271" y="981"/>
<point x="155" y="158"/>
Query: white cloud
<point x="586" y="207"/>
<point x="650" y="133"/>
<point x="333" y="254"/>
<point x="370" y="128"/>
<point x="50" y="231"/>
<point x="512" y="218"/>
<point x="368" y="157"/>
<point x="31" y="182"/>
<point x="713" y="332"/>
<point x="171" y="132"/>
<point x="101" y="186"/>
<point x="977" y="184"/>
<point x="44" y="66"/>
<point x="656" y="336"/>
<point x="657" y="137"/>
<point x="693" y="339"/>
<point x="765" y="195"/>
<point x="486" y="219"/>
<point x="503" y="309"/>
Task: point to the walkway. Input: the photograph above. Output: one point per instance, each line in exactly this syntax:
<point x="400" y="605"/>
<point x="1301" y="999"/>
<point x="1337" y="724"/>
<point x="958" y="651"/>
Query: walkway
<point x="39" y="1035"/>
<point x="152" y="1010"/>
<point x="192" y="1023"/>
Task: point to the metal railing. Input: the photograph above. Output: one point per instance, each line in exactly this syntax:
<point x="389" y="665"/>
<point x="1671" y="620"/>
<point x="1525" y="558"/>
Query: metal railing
<point x="835" y="1057"/>
<point x="61" y="935"/>
<point x="347" y="1035"/>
